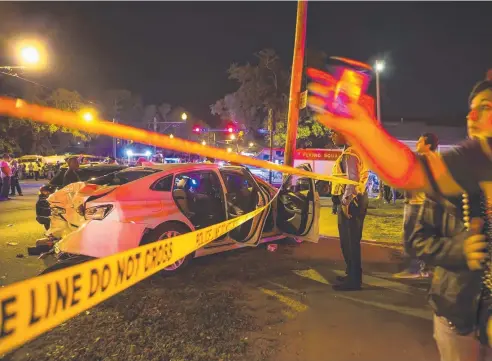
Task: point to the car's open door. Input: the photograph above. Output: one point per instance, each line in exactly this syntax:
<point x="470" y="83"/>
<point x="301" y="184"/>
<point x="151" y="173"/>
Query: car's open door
<point x="244" y="195"/>
<point x="298" y="207"/>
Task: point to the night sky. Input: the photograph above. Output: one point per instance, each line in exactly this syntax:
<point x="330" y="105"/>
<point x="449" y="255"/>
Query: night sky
<point x="178" y="52"/>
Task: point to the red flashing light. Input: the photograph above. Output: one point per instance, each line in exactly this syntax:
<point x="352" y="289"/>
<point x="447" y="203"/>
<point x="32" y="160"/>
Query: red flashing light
<point x="197" y="129"/>
<point x="230" y="128"/>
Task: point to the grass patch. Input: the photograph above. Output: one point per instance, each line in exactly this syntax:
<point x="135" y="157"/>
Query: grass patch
<point x="384" y="224"/>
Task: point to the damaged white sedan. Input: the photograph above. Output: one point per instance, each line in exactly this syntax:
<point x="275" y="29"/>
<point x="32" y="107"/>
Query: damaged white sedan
<point x="140" y="205"/>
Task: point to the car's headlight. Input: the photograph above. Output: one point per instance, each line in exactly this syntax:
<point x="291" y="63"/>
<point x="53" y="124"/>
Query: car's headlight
<point x="98" y="213"/>
<point x="57" y="211"/>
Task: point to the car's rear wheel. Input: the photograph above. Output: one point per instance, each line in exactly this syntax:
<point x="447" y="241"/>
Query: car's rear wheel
<point x="169" y="230"/>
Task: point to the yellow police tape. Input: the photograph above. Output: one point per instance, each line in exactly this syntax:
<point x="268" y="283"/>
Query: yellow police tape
<point x="21" y="109"/>
<point x="34" y="306"/>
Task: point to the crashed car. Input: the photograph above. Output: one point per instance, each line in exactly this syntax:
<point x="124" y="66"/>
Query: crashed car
<point x="85" y="172"/>
<point x="140" y="205"/>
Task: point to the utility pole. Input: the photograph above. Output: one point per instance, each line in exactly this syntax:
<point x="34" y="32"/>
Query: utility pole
<point x="155" y="131"/>
<point x="270" y="128"/>
<point x="295" y="82"/>
<point x="378" y="98"/>
<point x="114" y="143"/>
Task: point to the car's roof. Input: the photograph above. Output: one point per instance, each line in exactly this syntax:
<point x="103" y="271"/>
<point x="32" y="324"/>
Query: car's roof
<point x="180" y="166"/>
<point x="97" y="166"/>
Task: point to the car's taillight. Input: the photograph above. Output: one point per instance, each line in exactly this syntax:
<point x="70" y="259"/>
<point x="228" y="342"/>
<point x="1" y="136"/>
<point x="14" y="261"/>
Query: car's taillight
<point x="98" y="212"/>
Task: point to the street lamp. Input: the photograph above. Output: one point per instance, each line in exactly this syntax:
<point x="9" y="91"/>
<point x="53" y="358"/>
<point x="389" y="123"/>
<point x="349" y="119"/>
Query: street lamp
<point x="88" y="116"/>
<point x="378" y="67"/>
<point x="251" y="144"/>
<point x="229" y="150"/>
<point x="171" y="136"/>
<point x="204" y="142"/>
<point x="232" y="137"/>
<point x="30" y="55"/>
<point x="184" y="116"/>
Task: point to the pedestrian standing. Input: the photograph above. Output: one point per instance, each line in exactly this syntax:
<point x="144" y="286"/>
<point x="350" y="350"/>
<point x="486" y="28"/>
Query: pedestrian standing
<point x="14" y="180"/>
<point x="36" y="170"/>
<point x="6" y="173"/>
<point x="353" y="200"/>
<point x="50" y="170"/>
<point x="71" y="175"/>
<point x="30" y="173"/>
<point x="426" y="145"/>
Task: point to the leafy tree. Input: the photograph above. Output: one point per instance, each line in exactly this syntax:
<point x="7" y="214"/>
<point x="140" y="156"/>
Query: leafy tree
<point x="263" y="86"/>
<point x="122" y="105"/>
<point x="29" y="137"/>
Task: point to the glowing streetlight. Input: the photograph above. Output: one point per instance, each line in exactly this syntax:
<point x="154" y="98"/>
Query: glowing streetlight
<point x="378" y="67"/>
<point x="88" y="116"/>
<point x="184" y="116"/>
<point x="232" y="137"/>
<point x="204" y="142"/>
<point x="171" y="136"/>
<point x="251" y="144"/>
<point x="229" y="150"/>
<point x="30" y="55"/>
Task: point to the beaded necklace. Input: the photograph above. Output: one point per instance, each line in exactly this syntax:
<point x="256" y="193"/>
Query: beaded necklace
<point x="486" y="215"/>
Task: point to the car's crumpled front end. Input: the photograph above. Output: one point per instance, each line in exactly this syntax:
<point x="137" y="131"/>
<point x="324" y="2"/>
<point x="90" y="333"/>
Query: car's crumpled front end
<point x="101" y="239"/>
<point x="105" y="230"/>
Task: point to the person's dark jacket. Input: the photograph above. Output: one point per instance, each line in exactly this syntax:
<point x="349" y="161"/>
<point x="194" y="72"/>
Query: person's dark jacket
<point x="438" y="240"/>
<point x="70" y="177"/>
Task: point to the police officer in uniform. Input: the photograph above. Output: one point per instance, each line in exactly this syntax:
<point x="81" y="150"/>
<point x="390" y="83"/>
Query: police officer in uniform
<point x="353" y="201"/>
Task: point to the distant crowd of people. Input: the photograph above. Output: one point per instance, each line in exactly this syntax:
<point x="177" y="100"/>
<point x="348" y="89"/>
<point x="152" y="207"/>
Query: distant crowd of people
<point x="9" y="177"/>
<point x="37" y="170"/>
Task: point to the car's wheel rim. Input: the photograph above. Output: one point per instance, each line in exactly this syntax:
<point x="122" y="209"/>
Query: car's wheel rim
<point x="179" y="262"/>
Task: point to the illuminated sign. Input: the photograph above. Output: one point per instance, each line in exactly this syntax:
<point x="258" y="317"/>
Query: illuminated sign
<point x="318" y="154"/>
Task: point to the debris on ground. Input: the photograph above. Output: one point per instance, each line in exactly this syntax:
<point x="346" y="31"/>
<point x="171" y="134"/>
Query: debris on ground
<point x="20" y="255"/>
<point x="272" y="247"/>
<point x="12" y="243"/>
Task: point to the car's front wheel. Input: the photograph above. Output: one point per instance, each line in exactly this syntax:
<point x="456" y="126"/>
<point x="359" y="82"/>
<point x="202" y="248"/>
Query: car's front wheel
<point x="169" y="230"/>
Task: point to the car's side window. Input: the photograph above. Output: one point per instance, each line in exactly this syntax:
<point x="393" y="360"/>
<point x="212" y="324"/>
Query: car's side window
<point x="199" y="196"/>
<point x="164" y="184"/>
<point x="297" y="184"/>
<point x="241" y="193"/>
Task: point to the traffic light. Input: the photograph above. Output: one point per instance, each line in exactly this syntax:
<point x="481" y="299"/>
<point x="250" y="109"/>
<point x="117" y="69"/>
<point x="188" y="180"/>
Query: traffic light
<point x="231" y="128"/>
<point x="197" y="129"/>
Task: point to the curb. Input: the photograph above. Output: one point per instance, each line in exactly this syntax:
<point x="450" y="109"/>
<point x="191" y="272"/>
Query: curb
<point x="367" y="241"/>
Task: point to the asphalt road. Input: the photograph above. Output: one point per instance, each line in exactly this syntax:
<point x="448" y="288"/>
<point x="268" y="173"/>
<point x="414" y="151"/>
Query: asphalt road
<point x="18" y="230"/>
<point x="288" y="293"/>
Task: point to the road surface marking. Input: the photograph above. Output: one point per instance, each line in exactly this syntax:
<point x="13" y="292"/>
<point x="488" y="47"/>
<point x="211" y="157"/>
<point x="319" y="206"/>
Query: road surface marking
<point x="312" y="274"/>
<point x="290" y="302"/>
